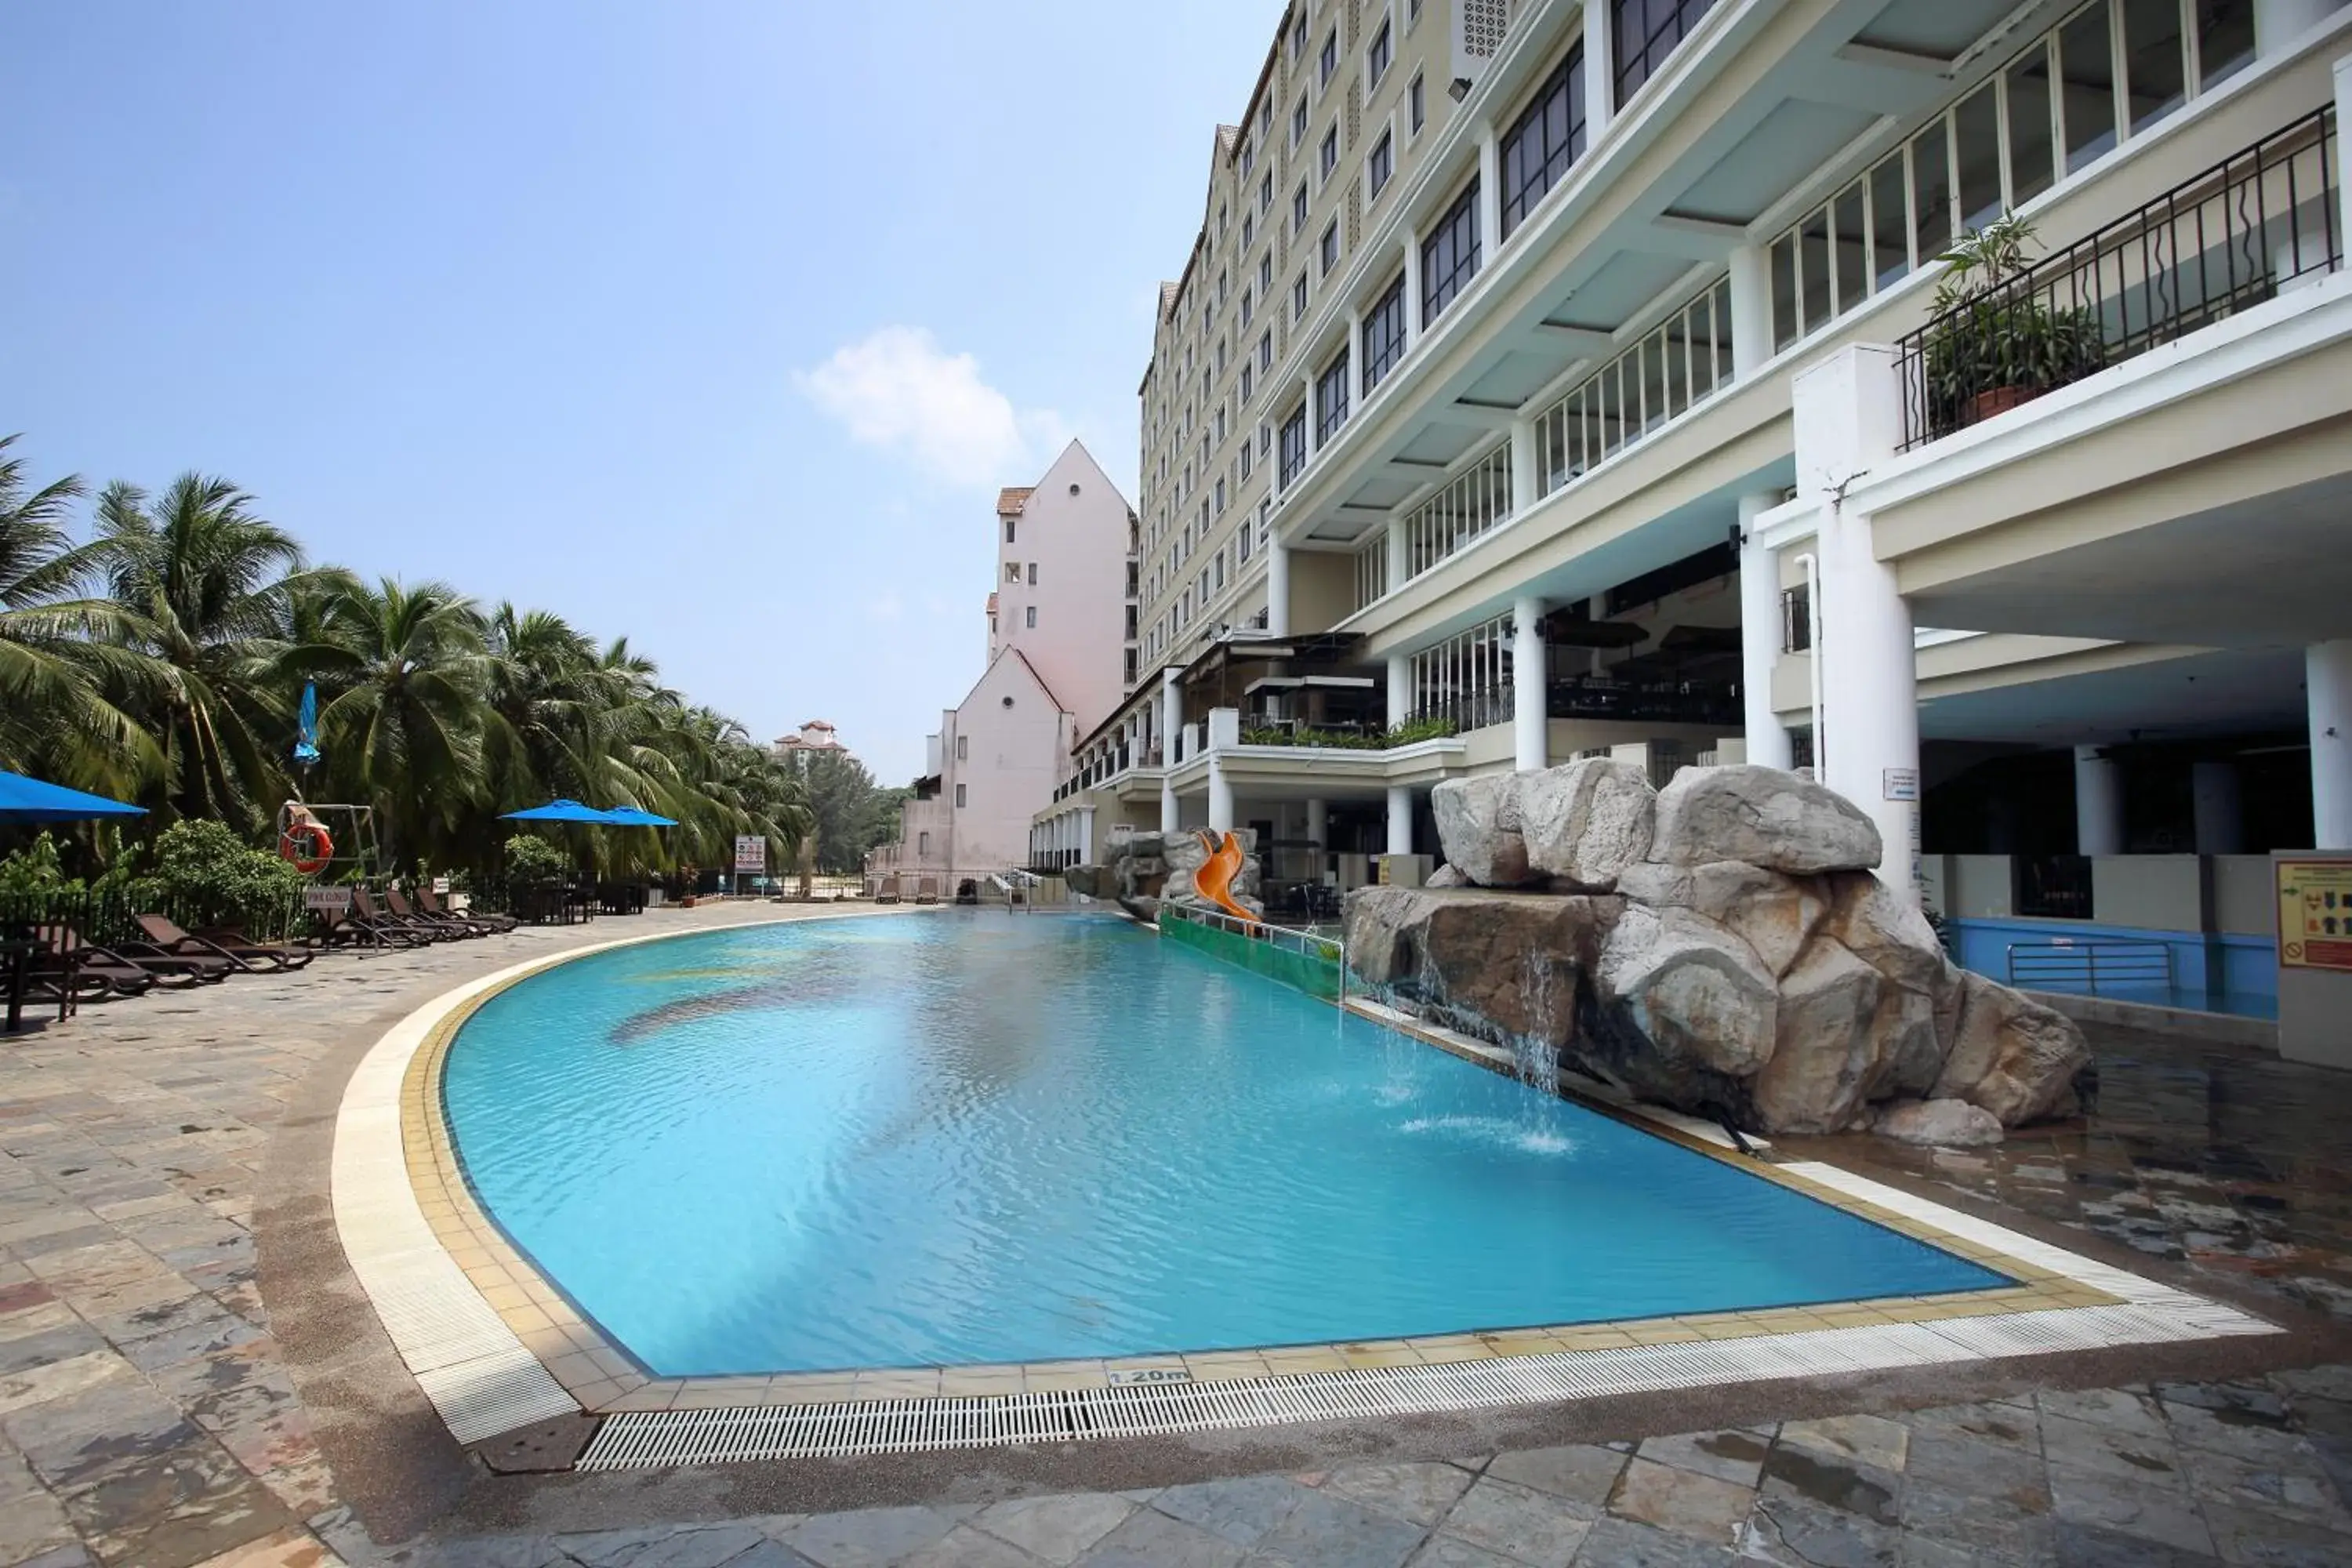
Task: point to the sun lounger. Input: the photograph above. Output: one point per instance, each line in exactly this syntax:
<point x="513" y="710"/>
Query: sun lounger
<point x="926" y="889"/>
<point x="430" y="903"/>
<point x="885" y="892"/>
<point x="66" y="951"/>
<point x="252" y="957"/>
<point x="442" y="926"/>
<point x="367" y="922"/>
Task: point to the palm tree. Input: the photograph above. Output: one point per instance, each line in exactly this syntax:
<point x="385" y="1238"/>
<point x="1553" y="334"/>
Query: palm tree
<point x="207" y="590"/>
<point x="57" y="646"/>
<point x="403" y="730"/>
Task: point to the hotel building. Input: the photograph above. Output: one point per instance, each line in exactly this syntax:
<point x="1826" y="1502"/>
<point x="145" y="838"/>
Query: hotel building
<point x="1548" y="380"/>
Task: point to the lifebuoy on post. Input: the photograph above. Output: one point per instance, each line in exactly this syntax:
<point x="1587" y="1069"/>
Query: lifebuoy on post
<point x="306" y="846"/>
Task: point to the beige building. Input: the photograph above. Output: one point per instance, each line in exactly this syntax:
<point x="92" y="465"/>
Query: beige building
<point x="1544" y="377"/>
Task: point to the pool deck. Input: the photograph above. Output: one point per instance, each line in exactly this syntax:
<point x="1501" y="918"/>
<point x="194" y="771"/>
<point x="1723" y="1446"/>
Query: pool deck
<point x="189" y="1374"/>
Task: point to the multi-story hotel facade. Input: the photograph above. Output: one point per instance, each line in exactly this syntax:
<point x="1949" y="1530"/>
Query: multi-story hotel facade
<point x="1548" y="379"/>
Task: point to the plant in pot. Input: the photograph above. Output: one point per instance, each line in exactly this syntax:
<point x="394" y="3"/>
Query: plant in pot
<point x="1995" y="338"/>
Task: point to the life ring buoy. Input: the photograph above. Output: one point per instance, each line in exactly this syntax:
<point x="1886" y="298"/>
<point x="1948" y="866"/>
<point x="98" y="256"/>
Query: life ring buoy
<point x="307" y="848"/>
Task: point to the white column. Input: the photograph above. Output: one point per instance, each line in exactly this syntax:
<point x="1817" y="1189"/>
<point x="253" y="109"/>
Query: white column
<point x="1760" y="638"/>
<point x="1411" y="289"/>
<point x="1523" y="465"/>
<point x="1751" y="311"/>
<point x="1400" y="553"/>
<point x="1171" y="710"/>
<point x="1319" y="825"/>
<point x="2343" y="118"/>
<point x="1221" y="795"/>
<point x="2216" y="808"/>
<point x="2098" y="803"/>
<point x="1307" y="389"/>
<point x="1490" y="196"/>
<point x="2327" y="683"/>
<point x="1399" y="819"/>
<point x="1355" y="359"/>
<point x="2278" y="23"/>
<point x="1847" y="414"/>
<point x="1599" y="72"/>
<point x="1400" y="689"/>
<point x="1277" y="588"/>
<point x="1531" y="736"/>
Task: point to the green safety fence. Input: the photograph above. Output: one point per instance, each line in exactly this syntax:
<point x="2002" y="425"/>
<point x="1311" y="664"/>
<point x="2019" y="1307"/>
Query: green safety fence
<point x="1315" y="975"/>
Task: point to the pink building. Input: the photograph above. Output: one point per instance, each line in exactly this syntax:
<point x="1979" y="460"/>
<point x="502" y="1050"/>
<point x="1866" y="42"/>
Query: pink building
<point x="1058" y="619"/>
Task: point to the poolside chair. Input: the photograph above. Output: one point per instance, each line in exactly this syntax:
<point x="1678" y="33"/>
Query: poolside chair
<point x="252" y="957"/>
<point x="64" y="950"/>
<point x="430" y="903"/>
<point x="926" y="889"/>
<point x="885" y="892"/>
<point x="441" y="925"/>
<point x="366" y="922"/>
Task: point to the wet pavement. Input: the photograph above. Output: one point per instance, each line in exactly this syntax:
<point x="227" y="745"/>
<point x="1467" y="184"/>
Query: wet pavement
<point x="150" y="1416"/>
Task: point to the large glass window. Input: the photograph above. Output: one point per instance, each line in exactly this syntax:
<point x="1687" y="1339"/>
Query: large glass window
<point x="1377" y="58"/>
<point x="1384" y="334"/>
<point x="2225" y="39"/>
<point x="1890" y="221"/>
<point x="2154" y="61"/>
<point x="1548" y="137"/>
<point x="1848" y="246"/>
<point x="1647" y="32"/>
<point x="1328" y="251"/>
<point x="1331" y="398"/>
<point x="1449" y="256"/>
<point x="1380" y="165"/>
<point x="1327" y="158"/>
<point x="1976" y="136"/>
<point x="1293" y="445"/>
<point x="2086" y="86"/>
<point x="2032" y="119"/>
<point x="1931" y="193"/>
<point x="1298" y="207"/>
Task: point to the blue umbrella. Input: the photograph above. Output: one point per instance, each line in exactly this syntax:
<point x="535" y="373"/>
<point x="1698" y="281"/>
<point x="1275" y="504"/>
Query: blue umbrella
<point x="306" y="727"/>
<point x="565" y="811"/>
<point x="632" y="816"/>
<point x="30" y="800"/>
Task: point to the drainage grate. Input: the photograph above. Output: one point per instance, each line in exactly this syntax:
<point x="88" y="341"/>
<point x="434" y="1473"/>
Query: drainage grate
<point x="641" y="1439"/>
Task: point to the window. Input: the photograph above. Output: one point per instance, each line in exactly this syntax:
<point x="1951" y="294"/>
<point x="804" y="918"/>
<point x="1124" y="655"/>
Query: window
<point x="1265" y="192"/>
<point x="1384" y="334"/>
<point x="1265" y="271"/>
<point x="1245" y="464"/>
<point x="1298" y="124"/>
<point x="1449" y="256"/>
<point x="1416" y="107"/>
<point x="1298" y="207"/>
<point x="1298" y="34"/>
<point x="1328" y="157"/>
<point x="1218" y="564"/>
<point x="1245" y="306"/>
<point x="1377" y="58"/>
<point x="2086" y="76"/>
<point x="1031" y="617"/>
<point x="1299" y="298"/>
<point x="1008" y="529"/>
<point x="1380" y="165"/>
<point x="1033" y="574"/>
<point x="1547" y="136"/>
<point x="959" y="795"/>
<point x="923" y="844"/>
<point x="1327" y="252"/>
<point x="1249" y="229"/>
<point x="1245" y="383"/>
<point x="963" y="748"/>
<point x="1265" y="351"/>
<point x="1013" y="571"/>
<point x="2225" y="39"/>
<point x="1330" y="59"/>
<point x="1249" y="158"/>
<point x="1647" y="32"/>
<point x="1293" y="446"/>
<point x="1331" y="399"/>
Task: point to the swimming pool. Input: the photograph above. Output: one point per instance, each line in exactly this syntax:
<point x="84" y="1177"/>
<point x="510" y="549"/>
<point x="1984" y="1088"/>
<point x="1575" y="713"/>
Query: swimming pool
<point x="991" y="1138"/>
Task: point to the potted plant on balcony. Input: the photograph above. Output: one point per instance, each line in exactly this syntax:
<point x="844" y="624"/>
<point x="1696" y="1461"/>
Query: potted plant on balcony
<point x="1996" y="340"/>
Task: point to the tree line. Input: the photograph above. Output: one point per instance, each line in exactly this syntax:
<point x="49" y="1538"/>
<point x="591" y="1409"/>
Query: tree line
<point x="159" y="656"/>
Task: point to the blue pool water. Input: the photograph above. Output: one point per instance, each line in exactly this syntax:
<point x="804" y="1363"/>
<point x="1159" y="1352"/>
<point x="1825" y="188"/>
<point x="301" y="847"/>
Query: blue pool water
<point x="996" y="1137"/>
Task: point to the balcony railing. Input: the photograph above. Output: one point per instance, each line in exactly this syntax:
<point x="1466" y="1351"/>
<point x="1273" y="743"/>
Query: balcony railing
<point x="1467" y="711"/>
<point x="1463" y="508"/>
<point x="1108" y="766"/>
<point x="2209" y="247"/>
<point x="1655" y="702"/>
<point x="1681" y="362"/>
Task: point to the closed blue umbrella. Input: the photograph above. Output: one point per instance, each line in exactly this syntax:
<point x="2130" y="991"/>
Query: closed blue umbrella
<point x="565" y="811"/>
<point x="306" y="726"/>
<point x="30" y="800"/>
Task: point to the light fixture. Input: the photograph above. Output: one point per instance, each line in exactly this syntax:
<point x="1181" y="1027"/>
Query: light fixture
<point x="1458" y="89"/>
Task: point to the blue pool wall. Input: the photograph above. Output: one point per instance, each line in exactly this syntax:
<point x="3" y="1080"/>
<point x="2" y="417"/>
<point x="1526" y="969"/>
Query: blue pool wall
<point x="2213" y="972"/>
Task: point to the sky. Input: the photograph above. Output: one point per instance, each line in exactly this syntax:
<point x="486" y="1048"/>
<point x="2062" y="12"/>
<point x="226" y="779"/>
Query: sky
<point x="713" y="323"/>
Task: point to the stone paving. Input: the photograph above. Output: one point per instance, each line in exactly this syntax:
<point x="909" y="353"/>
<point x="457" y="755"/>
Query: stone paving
<point x="149" y="1418"/>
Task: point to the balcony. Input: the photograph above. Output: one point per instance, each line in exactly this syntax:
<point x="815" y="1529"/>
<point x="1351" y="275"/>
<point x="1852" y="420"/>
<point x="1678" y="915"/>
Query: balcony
<point x="2232" y="237"/>
<point x="1100" y="769"/>
<point x="1710" y="702"/>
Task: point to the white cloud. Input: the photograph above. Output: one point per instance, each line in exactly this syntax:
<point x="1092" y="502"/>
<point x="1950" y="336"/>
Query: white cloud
<point x="897" y="389"/>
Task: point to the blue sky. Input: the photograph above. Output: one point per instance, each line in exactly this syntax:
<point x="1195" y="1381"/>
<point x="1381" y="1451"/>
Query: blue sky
<point x="714" y="323"/>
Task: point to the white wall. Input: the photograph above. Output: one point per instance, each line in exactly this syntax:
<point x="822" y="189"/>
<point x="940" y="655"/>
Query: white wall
<point x="1078" y="545"/>
<point x="1004" y="760"/>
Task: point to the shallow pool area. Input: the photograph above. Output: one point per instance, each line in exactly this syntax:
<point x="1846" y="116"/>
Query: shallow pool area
<point x="992" y="1138"/>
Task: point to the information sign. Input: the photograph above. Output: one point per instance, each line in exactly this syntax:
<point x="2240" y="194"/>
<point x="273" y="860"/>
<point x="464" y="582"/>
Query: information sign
<point x="2315" y="927"/>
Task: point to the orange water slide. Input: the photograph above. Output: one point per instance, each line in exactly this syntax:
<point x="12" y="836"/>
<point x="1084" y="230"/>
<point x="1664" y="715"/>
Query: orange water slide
<point x="1215" y="879"/>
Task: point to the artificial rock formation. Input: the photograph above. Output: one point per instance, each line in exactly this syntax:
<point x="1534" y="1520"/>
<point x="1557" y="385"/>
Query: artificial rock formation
<point x="1146" y="870"/>
<point x="1720" y="946"/>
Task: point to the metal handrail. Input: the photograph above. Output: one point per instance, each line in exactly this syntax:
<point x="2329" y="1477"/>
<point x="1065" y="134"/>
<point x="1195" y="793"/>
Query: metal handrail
<point x="2088" y="960"/>
<point x="1289" y="939"/>
<point x="2214" y="245"/>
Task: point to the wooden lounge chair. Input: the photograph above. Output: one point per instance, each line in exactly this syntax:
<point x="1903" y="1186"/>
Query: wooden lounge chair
<point x="447" y="926"/>
<point x="65" y="951"/>
<point x="252" y="957"/>
<point x="885" y="892"/>
<point x="926" y="889"/>
<point x="367" y="922"/>
<point x="430" y="903"/>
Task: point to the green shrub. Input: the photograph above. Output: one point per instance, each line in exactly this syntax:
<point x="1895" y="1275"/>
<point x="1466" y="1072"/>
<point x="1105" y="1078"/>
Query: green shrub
<point x="35" y="868"/>
<point x="531" y="859"/>
<point x="205" y="866"/>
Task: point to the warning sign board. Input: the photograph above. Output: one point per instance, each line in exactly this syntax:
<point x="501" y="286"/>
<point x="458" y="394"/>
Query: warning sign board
<point x="2315" y="927"/>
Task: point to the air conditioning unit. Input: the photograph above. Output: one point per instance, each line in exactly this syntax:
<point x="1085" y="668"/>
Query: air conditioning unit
<point x="1478" y="30"/>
